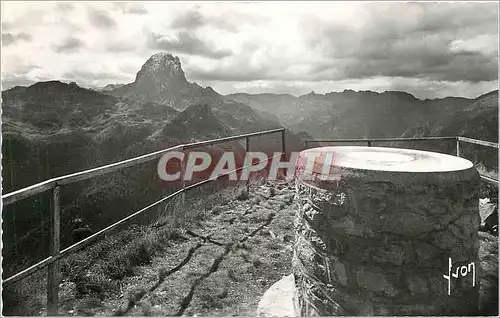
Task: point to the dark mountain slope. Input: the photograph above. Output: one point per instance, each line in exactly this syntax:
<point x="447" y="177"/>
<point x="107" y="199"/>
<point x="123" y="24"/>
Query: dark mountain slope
<point x="195" y="123"/>
<point x="87" y="128"/>
<point x="478" y="120"/>
<point x="351" y="114"/>
<point x="367" y="114"/>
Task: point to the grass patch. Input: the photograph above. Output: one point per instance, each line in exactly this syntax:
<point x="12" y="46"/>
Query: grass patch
<point x="28" y="295"/>
<point x="140" y="251"/>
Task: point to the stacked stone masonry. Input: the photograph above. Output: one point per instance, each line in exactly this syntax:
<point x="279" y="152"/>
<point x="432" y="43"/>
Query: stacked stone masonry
<point x="371" y="245"/>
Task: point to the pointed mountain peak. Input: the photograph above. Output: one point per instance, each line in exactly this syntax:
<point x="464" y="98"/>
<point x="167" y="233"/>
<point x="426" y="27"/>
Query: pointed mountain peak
<point x="161" y="67"/>
<point x="163" y="58"/>
<point x="161" y="80"/>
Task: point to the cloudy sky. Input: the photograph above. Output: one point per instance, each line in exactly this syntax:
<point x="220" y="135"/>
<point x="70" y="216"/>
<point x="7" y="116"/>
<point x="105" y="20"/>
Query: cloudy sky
<point x="427" y="49"/>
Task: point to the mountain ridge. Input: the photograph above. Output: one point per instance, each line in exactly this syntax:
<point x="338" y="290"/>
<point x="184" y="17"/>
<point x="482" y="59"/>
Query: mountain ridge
<point x="351" y="114"/>
<point x="347" y="90"/>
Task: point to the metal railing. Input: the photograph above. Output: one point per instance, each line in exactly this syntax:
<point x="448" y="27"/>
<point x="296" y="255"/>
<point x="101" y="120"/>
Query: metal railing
<point x="457" y="139"/>
<point x="54" y="184"/>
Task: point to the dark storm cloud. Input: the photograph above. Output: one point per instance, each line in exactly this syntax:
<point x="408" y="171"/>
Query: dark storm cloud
<point x="193" y="19"/>
<point x="9" y="38"/>
<point x="430" y="41"/>
<point x="451" y="16"/>
<point x="71" y="44"/>
<point x="186" y="43"/>
<point x="424" y="47"/>
<point x="101" y="19"/>
<point x="456" y="68"/>
<point x="190" y="20"/>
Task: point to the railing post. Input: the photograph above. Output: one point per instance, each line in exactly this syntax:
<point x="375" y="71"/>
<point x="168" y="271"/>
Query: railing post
<point x="183" y="185"/>
<point x="53" y="268"/>
<point x="283" y="151"/>
<point x="458" y="146"/>
<point x="247" y="149"/>
<point x="283" y="147"/>
<point x="369" y="143"/>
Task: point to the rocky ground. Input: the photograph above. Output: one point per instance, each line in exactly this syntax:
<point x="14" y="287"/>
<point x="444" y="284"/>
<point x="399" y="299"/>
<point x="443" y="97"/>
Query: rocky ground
<point x="221" y="265"/>
<point x="488" y="255"/>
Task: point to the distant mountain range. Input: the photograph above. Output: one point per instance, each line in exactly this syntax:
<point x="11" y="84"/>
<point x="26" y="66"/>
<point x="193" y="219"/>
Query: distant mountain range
<point x="367" y="114"/>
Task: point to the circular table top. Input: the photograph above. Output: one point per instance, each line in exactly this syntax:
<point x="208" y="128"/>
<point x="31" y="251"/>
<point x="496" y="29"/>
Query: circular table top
<point x="381" y="159"/>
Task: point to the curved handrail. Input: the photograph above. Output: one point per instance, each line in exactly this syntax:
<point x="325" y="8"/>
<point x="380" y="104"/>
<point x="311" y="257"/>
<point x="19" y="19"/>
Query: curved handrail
<point x="54" y="183"/>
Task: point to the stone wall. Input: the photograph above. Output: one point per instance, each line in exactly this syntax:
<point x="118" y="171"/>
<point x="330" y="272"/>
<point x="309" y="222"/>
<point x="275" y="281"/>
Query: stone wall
<point x="379" y="243"/>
